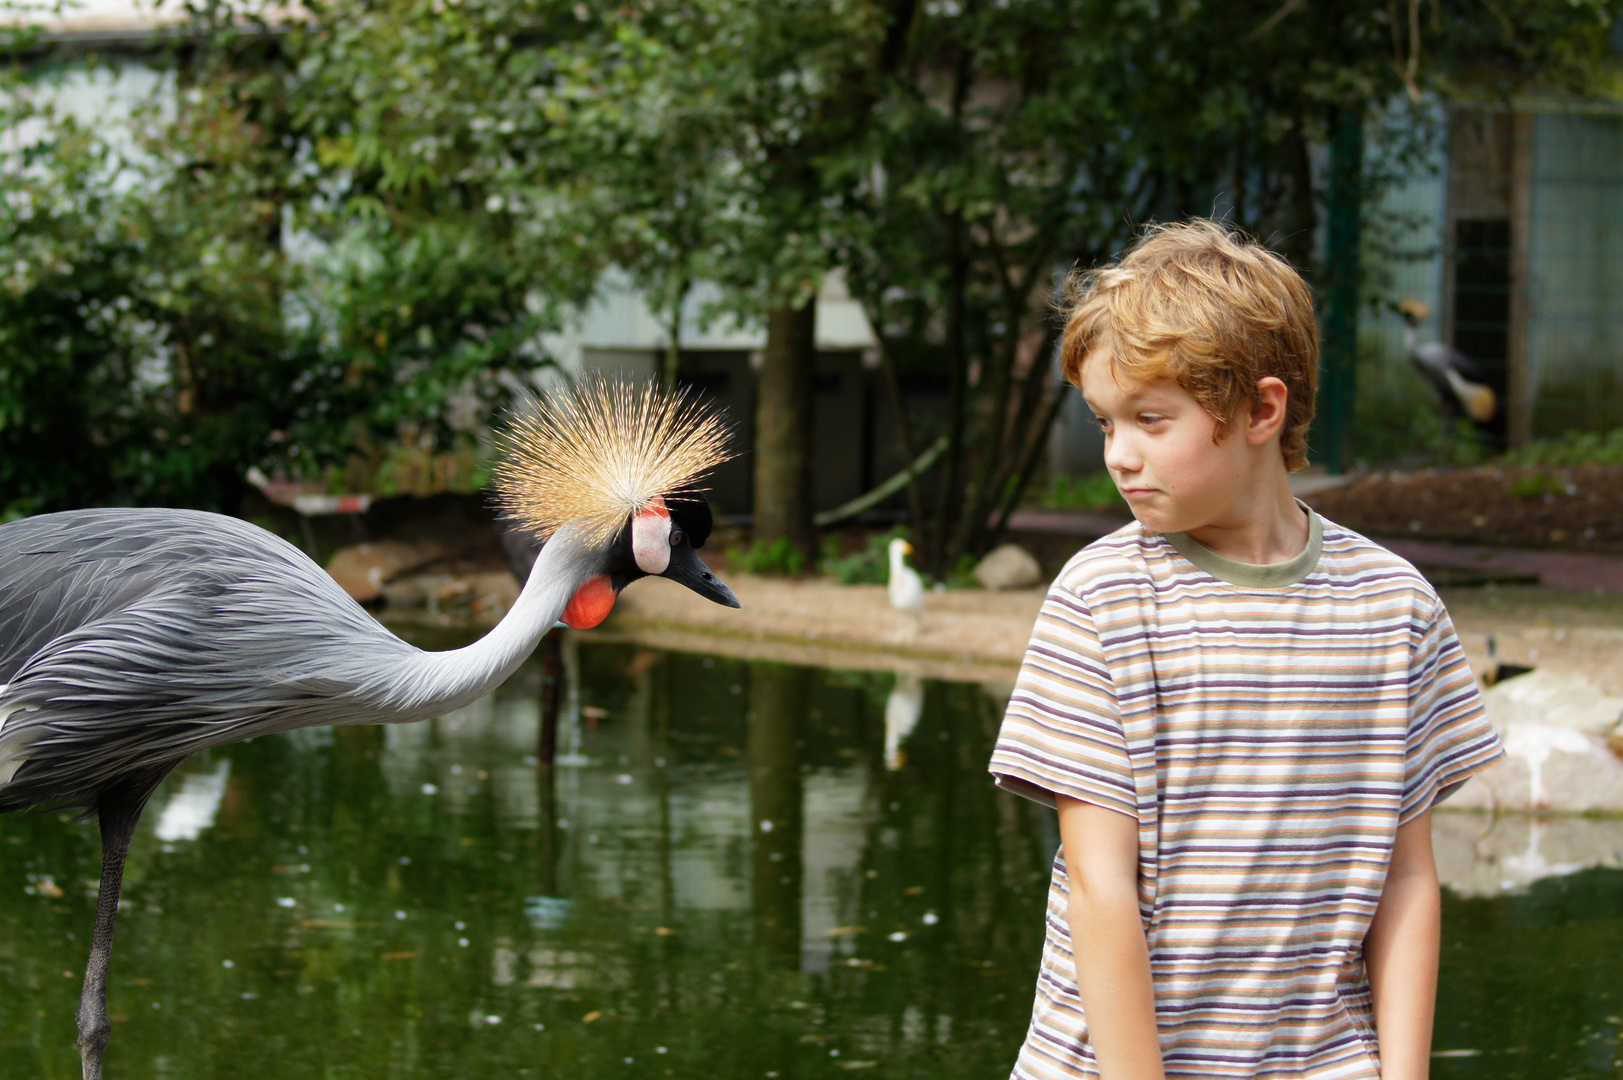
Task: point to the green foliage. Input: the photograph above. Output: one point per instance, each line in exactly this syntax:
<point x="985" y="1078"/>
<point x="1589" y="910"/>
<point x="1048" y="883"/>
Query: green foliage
<point x="347" y="237"/>
<point x="1575" y="448"/>
<point x="62" y="364"/>
<point x="1397" y="422"/>
<point x="307" y="259"/>
<point x="1536" y="485"/>
<point x="1011" y="140"/>
<point x="1096" y="491"/>
<point x="869" y="565"/>
<point x="436" y="254"/>
<point x="778" y="556"/>
<point x="962" y="574"/>
<point x="141" y="351"/>
<point x="640" y="122"/>
<point x="1458" y="444"/>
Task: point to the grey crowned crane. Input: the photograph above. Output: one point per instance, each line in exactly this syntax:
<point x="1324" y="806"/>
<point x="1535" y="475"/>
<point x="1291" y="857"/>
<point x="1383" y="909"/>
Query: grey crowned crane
<point x="132" y="638"/>
<point x="1455" y="377"/>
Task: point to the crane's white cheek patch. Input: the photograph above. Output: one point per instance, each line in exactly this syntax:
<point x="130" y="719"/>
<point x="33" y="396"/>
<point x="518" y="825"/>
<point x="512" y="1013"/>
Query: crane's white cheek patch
<point x="651" y="542"/>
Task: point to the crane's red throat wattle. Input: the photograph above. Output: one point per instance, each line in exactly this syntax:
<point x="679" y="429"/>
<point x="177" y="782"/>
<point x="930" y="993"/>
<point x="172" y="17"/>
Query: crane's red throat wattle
<point x="591" y="603"/>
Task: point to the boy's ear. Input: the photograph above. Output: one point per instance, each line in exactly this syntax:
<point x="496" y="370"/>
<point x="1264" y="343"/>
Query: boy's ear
<point x="1267" y="416"/>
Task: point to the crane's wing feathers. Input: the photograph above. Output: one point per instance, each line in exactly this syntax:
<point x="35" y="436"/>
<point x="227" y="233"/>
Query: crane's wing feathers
<point x="131" y="638"/>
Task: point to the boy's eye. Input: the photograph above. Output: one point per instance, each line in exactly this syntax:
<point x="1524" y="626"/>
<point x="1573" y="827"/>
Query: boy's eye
<point x="1150" y="419"/>
<point x="1101" y="421"/>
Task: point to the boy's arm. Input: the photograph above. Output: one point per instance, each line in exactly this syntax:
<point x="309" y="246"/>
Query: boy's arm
<point x="1107" y="939"/>
<point x="1400" y="952"/>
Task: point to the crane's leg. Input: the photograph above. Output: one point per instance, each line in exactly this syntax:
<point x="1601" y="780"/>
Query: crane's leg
<point x="119" y="809"/>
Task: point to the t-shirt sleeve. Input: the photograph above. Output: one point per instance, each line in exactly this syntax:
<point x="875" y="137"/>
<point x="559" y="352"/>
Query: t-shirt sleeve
<point x="1450" y="738"/>
<point x="1062" y="732"/>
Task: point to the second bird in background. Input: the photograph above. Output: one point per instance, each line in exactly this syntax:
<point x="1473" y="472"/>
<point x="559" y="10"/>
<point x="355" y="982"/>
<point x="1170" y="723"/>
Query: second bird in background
<point x="906" y="589"/>
<point x="1460" y="384"/>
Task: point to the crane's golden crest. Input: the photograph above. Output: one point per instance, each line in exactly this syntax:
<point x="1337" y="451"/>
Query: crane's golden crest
<point x="601" y="452"/>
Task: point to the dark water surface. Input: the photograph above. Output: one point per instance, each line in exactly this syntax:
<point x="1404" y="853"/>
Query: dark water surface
<point x="735" y="870"/>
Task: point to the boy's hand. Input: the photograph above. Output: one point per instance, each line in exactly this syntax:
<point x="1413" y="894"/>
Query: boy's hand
<point x="1400" y="952"/>
<point x="1107" y="939"/>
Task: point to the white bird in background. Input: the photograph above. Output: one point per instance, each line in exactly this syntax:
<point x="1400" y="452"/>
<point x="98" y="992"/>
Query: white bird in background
<point x="1456" y="377"/>
<point x="906" y="589"/>
<point x="902" y="710"/>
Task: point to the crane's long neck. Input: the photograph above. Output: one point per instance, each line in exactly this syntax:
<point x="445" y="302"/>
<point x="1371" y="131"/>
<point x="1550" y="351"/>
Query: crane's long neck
<point x="1411" y="335"/>
<point x="438" y="682"/>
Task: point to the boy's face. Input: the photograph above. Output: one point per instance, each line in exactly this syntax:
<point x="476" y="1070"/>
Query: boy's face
<point x="1159" y="449"/>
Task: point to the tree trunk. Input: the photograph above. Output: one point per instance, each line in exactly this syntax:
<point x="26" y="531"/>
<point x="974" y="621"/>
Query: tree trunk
<point x="670" y="371"/>
<point x="671" y="363"/>
<point x="783" y="431"/>
<point x="938" y="551"/>
<point x="1339" y="287"/>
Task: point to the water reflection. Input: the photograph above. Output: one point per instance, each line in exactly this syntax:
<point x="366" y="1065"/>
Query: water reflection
<point x="902" y="709"/>
<point x="192" y="804"/>
<point x="1488" y="854"/>
<point x="733" y="869"/>
<point x="776" y="698"/>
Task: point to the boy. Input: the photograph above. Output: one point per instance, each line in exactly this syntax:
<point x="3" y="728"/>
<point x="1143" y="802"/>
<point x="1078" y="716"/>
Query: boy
<point x="1243" y="713"/>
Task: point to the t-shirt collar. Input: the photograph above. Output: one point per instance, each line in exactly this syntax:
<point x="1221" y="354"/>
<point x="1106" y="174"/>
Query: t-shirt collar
<point x="1255" y="575"/>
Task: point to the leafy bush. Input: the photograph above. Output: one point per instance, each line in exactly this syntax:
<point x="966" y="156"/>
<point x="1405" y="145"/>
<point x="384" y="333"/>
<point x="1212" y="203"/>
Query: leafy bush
<point x="1096" y="491"/>
<point x="868" y="566"/>
<point x="218" y="284"/>
<point x="1571" y="449"/>
<point x="1536" y="485"/>
<point x="65" y="425"/>
<point x="962" y="574"/>
<point x="1397" y="422"/>
<point x="780" y="556"/>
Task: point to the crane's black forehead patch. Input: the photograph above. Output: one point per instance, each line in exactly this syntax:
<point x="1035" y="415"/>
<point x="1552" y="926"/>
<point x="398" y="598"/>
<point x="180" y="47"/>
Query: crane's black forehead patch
<point x="690" y="512"/>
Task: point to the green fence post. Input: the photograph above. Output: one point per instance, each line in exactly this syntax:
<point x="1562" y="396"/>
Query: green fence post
<point x="1344" y="199"/>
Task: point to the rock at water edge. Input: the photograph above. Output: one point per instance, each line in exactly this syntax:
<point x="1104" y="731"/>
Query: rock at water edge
<point x="363" y="570"/>
<point x="1008" y="567"/>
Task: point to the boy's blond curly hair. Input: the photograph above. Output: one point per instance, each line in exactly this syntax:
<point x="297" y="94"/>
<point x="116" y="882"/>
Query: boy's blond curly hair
<point x="1198" y="303"/>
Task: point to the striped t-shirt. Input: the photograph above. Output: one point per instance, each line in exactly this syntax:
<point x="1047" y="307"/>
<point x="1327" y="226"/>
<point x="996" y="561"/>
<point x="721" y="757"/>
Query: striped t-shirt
<point x="1270" y="727"/>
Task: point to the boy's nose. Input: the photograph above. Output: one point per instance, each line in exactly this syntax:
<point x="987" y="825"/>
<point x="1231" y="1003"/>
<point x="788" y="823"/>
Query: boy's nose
<point x="1120" y="455"/>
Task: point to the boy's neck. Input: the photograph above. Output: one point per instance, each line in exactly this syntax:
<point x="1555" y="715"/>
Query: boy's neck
<point x="1264" y="525"/>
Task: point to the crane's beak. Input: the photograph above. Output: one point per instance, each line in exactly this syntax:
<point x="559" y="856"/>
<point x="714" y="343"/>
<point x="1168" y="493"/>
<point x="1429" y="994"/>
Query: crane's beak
<point x="687" y="568"/>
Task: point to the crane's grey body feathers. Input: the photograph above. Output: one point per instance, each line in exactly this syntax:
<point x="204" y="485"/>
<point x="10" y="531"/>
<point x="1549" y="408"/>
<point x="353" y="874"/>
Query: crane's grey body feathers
<point x="132" y="638"/>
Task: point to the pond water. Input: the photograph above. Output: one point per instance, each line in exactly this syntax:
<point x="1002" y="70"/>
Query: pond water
<point x="735" y="871"/>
